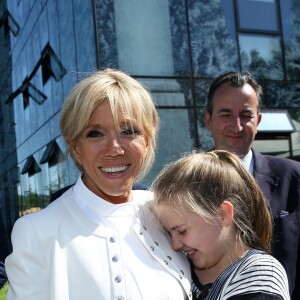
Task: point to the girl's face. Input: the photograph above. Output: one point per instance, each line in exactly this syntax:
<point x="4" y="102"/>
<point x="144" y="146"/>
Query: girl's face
<point x="110" y="160"/>
<point x="204" y="243"/>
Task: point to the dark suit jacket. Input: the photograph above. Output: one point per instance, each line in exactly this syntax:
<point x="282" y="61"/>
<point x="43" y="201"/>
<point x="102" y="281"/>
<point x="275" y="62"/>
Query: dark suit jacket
<point x="279" y="179"/>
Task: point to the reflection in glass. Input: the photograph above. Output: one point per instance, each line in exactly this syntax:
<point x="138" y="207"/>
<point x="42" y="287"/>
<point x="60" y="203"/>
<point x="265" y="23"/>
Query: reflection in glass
<point x="275" y="147"/>
<point x="180" y="44"/>
<point x="257" y="15"/>
<point x="275" y="120"/>
<point x="20" y="199"/>
<point x="201" y="91"/>
<point x="205" y="139"/>
<point x="282" y="95"/>
<point x="291" y="33"/>
<point x="56" y="177"/>
<point x="137" y="37"/>
<point x="9" y="23"/>
<point x="30" y="194"/>
<point x="145" y="44"/>
<point x="34" y="191"/>
<point x="212" y="46"/>
<point x="51" y="65"/>
<point x="31" y="166"/>
<point x="35" y="94"/>
<point x="169" y="92"/>
<point x="280" y="145"/>
<point x="295" y="115"/>
<point x="261" y="55"/>
<point x="174" y="138"/>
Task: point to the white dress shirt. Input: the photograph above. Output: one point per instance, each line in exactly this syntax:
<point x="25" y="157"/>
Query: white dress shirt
<point x="248" y="161"/>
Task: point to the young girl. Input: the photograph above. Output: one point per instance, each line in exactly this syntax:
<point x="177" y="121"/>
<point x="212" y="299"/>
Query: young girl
<point x="217" y="216"/>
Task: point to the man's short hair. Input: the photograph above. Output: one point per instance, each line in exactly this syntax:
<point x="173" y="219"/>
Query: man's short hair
<point x="235" y="79"/>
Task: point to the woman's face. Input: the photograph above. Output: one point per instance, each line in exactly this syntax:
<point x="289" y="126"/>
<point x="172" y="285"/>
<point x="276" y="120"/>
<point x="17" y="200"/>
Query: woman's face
<point x="204" y="243"/>
<point x="110" y="160"/>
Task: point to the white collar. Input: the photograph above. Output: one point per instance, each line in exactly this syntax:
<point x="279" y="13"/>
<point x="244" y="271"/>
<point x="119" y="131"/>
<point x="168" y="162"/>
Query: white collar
<point x="248" y="161"/>
<point x="95" y="208"/>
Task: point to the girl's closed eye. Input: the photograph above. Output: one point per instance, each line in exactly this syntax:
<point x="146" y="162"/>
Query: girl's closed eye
<point x="182" y="231"/>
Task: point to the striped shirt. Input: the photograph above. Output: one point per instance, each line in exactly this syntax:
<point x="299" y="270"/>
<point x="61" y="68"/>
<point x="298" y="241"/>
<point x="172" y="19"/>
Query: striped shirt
<point x="257" y="275"/>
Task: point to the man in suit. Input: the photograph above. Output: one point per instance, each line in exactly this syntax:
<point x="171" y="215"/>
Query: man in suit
<point x="233" y="115"/>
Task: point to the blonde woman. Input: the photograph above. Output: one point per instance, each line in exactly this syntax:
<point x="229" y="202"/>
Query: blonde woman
<point x="217" y="216"/>
<point x="99" y="240"/>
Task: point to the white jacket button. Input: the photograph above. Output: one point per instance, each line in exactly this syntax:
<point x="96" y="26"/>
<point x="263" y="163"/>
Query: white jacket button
<point x="118" y="279"/>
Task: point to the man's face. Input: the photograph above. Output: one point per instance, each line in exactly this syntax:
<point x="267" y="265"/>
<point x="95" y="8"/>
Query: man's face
<point x="234" y="119"/>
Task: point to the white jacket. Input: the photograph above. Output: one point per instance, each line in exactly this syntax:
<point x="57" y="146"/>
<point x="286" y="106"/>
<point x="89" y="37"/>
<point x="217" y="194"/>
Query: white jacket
<point x="59" y="254"/>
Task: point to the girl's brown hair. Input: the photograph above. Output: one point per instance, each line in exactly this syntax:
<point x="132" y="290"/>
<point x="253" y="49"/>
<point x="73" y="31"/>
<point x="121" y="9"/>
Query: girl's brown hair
<point x="200" y="182"/>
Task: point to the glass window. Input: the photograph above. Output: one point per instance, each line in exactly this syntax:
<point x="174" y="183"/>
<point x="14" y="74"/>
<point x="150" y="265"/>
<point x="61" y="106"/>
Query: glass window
<point x="295" y="115"/>
<point x="272" y="146"/>
<point x="9" y="23"/>
<point x="205" y="138"/>
<point x="52" y="154"/>
<point x="175" y="138"/>
<point x="54" y="178"/>
<point x="57" y="177"/>
<point x="34" y="93"/>
<point x="213" y="45"/>
<point x="146" y="44"/>
<point x="54" y="168"/>
<point x="291" y="35"/>
<point x="282" y="95"/>
<point x="279" y="143"/>
<point x="34" y="192"/>
<point x="201" y="91"/>
<point x="51" y="65"/>
<point x="227" y="9"/>
<point x="169" y="92"/>
<point x="261" y="54"/>
<point x="258" y="15"/>
<point x="275" y="120"/>
<point x="30" y="199"/>
<point x="20" y="199"/>
<point x="31" y="166"/>
<point x="142" y="37"/>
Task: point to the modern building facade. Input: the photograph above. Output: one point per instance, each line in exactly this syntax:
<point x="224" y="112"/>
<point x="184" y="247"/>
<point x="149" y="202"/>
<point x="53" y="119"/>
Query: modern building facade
<point x="174" y="47"/>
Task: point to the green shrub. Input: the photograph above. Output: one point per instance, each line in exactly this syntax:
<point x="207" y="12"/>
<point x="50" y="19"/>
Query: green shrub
<point x="3" y="291"/>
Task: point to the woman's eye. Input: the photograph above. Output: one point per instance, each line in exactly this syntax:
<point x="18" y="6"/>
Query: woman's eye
<point x="93" y="134"/>
<point x="130" y="131"/>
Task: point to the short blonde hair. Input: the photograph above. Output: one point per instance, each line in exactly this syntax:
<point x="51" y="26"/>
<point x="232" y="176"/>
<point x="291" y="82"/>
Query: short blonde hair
<point x="200" y="182"/>
<point x="123" y="94"/>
